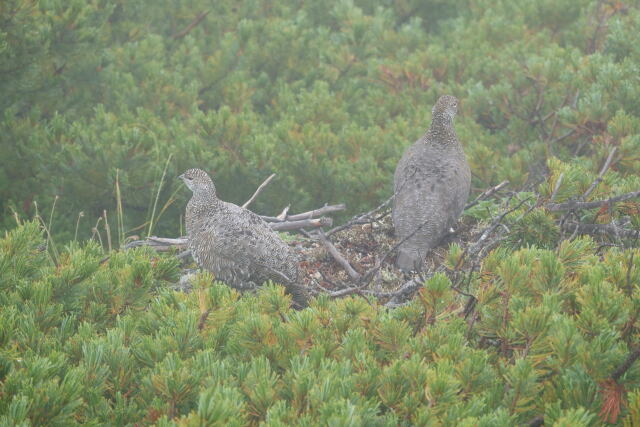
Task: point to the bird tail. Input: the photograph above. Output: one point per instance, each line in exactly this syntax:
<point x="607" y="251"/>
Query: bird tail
<point x="408" y="260"/>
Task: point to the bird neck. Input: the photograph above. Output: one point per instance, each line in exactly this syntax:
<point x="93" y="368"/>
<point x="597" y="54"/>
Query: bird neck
<point x="206" y="197"/>
<point x="441" y="131"/>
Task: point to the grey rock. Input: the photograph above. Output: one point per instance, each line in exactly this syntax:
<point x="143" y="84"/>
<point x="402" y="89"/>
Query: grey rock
<point x="235" y="244"/>
<point x="431" y="186"/>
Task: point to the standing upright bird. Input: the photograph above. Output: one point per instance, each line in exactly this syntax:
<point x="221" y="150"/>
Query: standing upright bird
<point x="234" y="243"/>
<point x="431" y="186"/>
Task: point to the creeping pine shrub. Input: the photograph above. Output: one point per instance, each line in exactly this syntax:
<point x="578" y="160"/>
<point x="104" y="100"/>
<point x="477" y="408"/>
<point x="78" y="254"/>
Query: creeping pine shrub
<point x="104" y="102"/>
<point x="106" y="341"/>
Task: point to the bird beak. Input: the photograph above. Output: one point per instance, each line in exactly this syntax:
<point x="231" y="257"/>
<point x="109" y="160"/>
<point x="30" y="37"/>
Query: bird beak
<point x="181" y="176"/>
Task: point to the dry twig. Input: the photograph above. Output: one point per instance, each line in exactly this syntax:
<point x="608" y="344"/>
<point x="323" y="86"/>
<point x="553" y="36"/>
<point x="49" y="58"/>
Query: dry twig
<point x="304" y="215"/>
<point x="486" y="194"/>
<point x="604" y="169"/>
<point x="258" y="190"/>
<point x="335" y="253"/>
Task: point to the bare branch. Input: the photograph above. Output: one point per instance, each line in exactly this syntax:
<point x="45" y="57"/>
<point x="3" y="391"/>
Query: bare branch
<point x="604" y="169"/>
<point x="163" y="244"/>
<point x="361" y="218"/>
<point x="557" y="187"/>
<point x="260" y="188"/>
<point x="476" y="247"/>
<point x="282" y="215"/>
<point x="305" y="215"/>
<point x="191" y="25"/>
<point x="487" y="193"/>
<point x="160" y="244"/>
<point x="574" y="204"/>
<point x="303" y="223"/>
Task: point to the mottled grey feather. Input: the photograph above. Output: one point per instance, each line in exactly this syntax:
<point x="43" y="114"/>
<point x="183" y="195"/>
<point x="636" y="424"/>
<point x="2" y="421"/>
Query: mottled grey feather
<point x="431" y="186"/>
<point x="234" y="243"/>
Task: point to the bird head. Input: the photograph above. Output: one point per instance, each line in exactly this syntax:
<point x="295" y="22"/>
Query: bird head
<point x="446" y="108"/>
<point x="198" y="181"/>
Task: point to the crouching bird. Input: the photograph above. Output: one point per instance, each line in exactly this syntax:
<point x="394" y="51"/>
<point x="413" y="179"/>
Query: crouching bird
<point x="235" y="244"/>
<point x="431" y="186"/>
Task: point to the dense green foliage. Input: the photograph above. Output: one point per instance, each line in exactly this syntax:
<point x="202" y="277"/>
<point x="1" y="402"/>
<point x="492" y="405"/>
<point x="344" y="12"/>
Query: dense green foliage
<point x="106" y="343"/>
<point x="99" y="97"/>
<point x="104" y="102"/>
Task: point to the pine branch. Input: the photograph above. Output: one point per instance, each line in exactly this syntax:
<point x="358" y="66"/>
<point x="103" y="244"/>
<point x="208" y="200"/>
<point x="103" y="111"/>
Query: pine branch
<point x="192" y="25"/>
<point x="574" y="204"/>
<point x="611" y="230"/>
<point x="633" y="356"/>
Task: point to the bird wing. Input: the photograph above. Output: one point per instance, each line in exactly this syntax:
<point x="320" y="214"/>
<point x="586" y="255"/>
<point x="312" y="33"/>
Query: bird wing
<point x="246" y="244"/>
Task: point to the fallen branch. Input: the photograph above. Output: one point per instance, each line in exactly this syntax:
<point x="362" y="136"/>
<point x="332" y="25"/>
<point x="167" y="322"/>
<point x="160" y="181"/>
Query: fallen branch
<point x="160" y="244"/>
<point x="304" y="223"/>
<point x="335" y="253"/>
<point x="574" y="204"/>
<point x="258" y="190"/>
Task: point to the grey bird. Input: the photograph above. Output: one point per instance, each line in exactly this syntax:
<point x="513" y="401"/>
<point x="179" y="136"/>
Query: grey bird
<point x="431" y="186"/>
<point x="234" y="243"/>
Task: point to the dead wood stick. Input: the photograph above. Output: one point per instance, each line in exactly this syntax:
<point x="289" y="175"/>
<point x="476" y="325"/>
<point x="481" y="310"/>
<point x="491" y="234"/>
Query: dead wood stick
<point x="303" y="223"/>
<point x="335" y="253"/>
<point x="604" y="169"/>
<point x="191" y="25"/>
<point x="282" y="215"/>
<point x="574" y="204"/>
<point x="305" y="215"/>
<point x="160" y="244"/>
<point x="258" y="190"/>
<point x="479" y="244"/>
<point x="487" y="193"/>
<point x="360" y="218"/>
